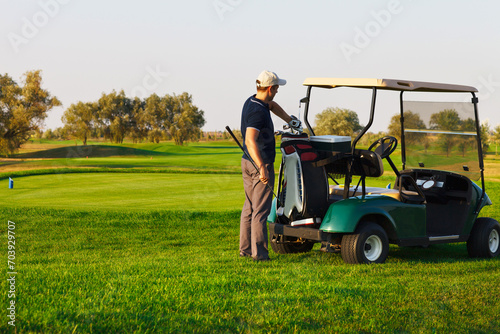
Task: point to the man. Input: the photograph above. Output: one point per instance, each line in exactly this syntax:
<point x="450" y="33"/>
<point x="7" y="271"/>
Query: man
<point x="258" y="141"/>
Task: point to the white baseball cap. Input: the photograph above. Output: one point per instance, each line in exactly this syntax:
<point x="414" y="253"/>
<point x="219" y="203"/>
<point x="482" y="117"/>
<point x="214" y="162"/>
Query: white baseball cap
<point x="267" y="79"/>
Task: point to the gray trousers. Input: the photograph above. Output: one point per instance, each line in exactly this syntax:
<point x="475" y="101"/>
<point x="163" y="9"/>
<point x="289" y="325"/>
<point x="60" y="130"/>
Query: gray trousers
<point x="253" y="221"/>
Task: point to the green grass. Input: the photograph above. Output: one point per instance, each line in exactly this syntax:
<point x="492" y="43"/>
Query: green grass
<point x="203" y="157"/>
<point x="137" y="247"/>
<point x="126" y="191"/>
<point x="132" y="191"/>
<point x="175" y="271"/>
<point x="164" y="156"/>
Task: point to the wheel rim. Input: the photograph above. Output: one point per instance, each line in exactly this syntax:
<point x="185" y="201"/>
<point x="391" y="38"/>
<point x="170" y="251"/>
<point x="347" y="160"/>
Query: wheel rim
<point x="493" y="241"/>
<point x="373" y="248"/>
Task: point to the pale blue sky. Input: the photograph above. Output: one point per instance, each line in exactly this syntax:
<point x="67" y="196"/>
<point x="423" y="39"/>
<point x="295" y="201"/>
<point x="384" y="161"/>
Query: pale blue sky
<point x="214" y="49"/>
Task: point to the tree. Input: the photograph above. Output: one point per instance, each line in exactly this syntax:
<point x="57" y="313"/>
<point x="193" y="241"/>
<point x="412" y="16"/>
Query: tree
<point x="465" y="142"/>
<point x="155" y="116"/>
<point x="187" y="119"/>
<point x="22" y="109"/>
<point x="79" y="120"/>
<point x="61" y="133"/>
<point x="484" y="131"/>
<point x="49" y="134"/>
<point x="138" y="127"/>
<point x="411" y="121"/>
<point x="115" y="115"/>
<point x="496" y="137"/>
<point x="342" y="122"/>
<point x="447" y="120"/>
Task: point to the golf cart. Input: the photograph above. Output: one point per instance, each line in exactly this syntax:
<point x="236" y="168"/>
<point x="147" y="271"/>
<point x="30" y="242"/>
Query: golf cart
<point x="322" y="195"/>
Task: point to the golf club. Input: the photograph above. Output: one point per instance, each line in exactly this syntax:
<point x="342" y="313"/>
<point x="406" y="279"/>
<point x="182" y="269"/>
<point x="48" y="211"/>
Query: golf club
<point x="250" y="159"/>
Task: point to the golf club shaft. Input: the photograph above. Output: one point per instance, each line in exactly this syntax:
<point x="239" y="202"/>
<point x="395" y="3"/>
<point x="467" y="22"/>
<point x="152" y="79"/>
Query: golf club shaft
<point x="247" y="154"/>
<point x="249" y="157"/>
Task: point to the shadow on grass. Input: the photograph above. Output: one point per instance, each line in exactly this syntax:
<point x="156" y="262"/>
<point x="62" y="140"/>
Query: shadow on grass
<point x="443" y="253"/>
<point x="94" y="151"/>
<point x="104" y="151"/>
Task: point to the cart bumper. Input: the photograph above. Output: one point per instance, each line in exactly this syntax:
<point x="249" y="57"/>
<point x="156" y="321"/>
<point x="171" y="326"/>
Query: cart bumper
<point x="309" y="233"/>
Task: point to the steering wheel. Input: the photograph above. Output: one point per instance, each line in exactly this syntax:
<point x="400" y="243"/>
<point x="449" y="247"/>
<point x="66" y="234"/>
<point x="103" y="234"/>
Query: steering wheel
<point x="385" y="146"/>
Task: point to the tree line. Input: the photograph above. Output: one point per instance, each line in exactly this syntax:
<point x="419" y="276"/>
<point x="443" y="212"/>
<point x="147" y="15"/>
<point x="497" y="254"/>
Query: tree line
<point x="345" y="122"/>
<point x="114" y="116"/>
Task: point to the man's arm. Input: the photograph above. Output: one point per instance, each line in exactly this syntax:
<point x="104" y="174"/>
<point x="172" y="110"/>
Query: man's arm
<point x="252" y="148"/>
<point x="278" y="111"/>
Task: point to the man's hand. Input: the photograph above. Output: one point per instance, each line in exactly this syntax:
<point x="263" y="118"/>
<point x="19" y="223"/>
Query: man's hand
<point x="295" y="124"/>
<point x="264" y="174"/>
<point x="253" y="151"/>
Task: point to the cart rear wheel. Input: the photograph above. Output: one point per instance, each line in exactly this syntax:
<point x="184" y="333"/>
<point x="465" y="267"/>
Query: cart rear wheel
<point x="484" y="239"/>
<point x="281" y="244"/>
<point x="369" y="245"/>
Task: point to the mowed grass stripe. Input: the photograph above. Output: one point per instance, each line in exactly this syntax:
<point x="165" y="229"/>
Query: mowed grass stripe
<point x="126" y="191"/>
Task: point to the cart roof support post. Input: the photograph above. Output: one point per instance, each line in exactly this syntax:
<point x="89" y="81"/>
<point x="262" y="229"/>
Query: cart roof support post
<point x="306" y="110"/>
<point x="358" y="137"/>
<point x="402" y="119"/>
<point x="475" y="100"/>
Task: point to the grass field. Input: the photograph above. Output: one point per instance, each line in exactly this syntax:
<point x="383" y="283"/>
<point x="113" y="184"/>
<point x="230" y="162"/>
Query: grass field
<point x="145" y="249"/>
<point x="127" y="191"/>
<point x="203" y="157"/>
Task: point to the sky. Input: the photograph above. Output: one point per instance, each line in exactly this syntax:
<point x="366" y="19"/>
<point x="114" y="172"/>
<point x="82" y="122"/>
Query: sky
<point x="215" y="49"/>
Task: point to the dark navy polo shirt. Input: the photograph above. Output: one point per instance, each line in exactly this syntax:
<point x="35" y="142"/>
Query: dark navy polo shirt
<point x="256" y="114"/>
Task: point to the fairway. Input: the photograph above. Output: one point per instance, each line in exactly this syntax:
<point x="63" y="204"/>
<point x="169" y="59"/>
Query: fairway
<point x="126" y="191"/>
<point x="208" y="157"/>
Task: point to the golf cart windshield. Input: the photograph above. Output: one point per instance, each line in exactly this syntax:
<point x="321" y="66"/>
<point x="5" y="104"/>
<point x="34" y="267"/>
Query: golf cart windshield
<point x="435" y="135"/>
<point x="441" y="135"/>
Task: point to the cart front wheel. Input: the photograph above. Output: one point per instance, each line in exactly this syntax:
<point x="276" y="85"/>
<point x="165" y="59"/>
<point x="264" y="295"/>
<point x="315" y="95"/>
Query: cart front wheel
<point x="369" y="245"/>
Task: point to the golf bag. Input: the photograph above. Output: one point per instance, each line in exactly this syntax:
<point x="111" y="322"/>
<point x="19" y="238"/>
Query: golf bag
<point x="303" y="187"/>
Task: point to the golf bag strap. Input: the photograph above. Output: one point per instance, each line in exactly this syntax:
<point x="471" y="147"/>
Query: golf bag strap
<point x="303" y="148"/>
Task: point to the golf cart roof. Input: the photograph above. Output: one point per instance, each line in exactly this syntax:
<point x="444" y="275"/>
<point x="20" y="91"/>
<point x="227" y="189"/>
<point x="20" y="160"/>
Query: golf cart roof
<point x="387" y="84"/>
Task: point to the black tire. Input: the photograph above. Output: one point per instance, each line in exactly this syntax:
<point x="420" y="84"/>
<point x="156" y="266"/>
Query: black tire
<point x="369" y="244"/>
<point x="484" y="239"/>
<point x="286" y="245"/>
